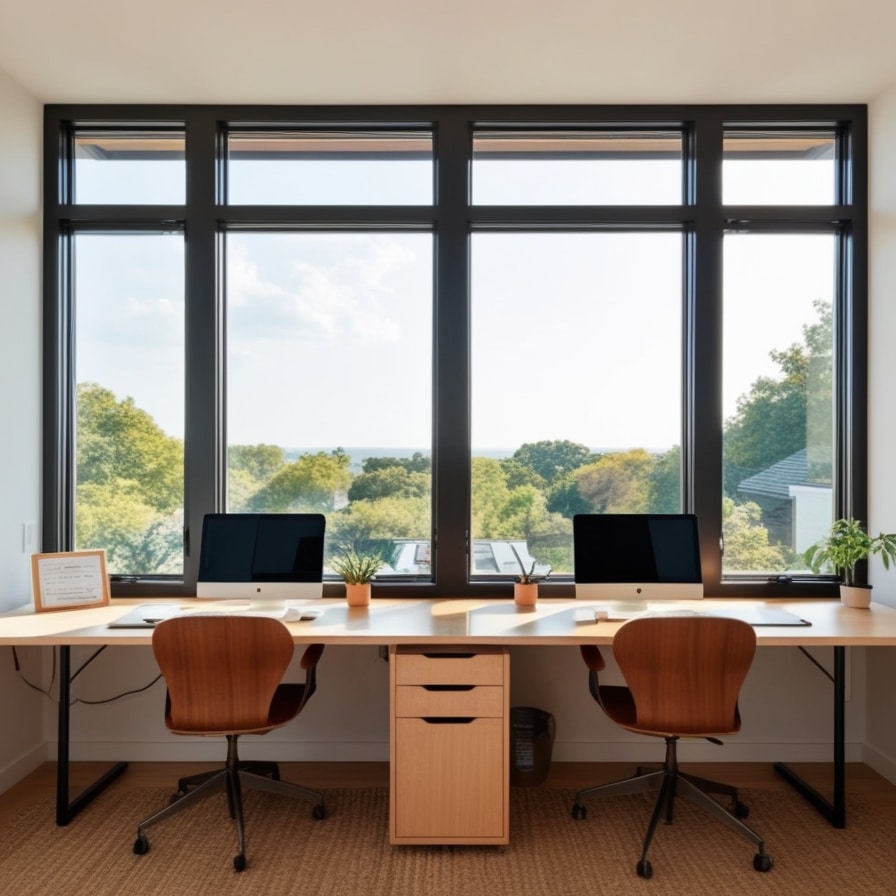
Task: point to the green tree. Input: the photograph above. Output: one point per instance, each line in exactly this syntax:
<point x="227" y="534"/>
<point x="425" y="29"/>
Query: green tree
<point x="747" y="545"/>
<point x="312" y="483"/>
<point x="783" y="415"/>
<point x="129" y="493"/>
<point x="618" y="482"/>
<point x="518" y="474"/>
<point x="261" y="462"/>
<point x="489" y="496"/>
<point x="553" y="459"/>
<point x="665" y="482"/>
<point x="249" y="469"/>
<point x="372" y="526"/>
<point x="565" y="498"/>
<point x="393" y="481"/>
<point x="117" y="441"/>
<point x="416" y="463"/>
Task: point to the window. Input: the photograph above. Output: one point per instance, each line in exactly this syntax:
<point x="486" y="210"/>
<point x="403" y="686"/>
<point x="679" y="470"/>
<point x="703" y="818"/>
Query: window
<point x="452" y="328"/>
<point x="778" y="406"/>
<point x="783" y="277"/>
<point x="328" y="345"/>
<point x="129" y="400"/>
<point x="552" y="434"/>
<point x="128" y="167"/>
<point x="329" y="167"/>
<point x="586" y="166"/>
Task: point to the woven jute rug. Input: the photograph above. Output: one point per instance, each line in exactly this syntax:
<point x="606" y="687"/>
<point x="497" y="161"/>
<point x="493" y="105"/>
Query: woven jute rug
<point x="348" y="852"/>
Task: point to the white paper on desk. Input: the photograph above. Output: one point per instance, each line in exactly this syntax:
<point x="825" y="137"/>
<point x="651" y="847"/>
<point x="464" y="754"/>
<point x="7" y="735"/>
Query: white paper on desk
<point x="71" y="579"/>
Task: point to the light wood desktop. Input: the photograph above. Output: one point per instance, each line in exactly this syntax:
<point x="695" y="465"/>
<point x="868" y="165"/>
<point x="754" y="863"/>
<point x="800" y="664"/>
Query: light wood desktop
<point x="468" y="623"/>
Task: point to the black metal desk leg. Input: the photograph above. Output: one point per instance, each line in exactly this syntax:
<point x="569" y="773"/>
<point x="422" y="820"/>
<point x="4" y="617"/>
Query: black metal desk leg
<point x="67" y="809"/>
<point x="835" y="809"/>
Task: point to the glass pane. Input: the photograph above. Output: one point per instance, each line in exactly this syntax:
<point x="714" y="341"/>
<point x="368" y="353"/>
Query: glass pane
<point x="129" y="325"/>
<point x="570" y="333"/>
<point x="330" y="168"/>
<point x="779" y="168"/>
<point x="777" y="399"/>
<point x="129" y="168"/>
<point x="577" y="168"/>
<point x="329" y="385"/>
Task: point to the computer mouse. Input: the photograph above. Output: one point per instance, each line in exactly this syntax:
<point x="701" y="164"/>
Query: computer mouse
<point x="301" y="614"/>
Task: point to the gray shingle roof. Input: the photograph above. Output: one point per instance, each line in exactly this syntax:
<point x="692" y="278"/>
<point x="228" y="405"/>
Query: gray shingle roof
<point x="775" y="481"/>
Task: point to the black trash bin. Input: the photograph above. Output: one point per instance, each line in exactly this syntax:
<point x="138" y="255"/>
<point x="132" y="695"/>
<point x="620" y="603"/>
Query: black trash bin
<point x="531" y="745"/>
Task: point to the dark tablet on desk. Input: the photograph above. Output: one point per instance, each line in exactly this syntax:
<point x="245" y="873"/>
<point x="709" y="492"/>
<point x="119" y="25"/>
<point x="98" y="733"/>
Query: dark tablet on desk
<point x="146" y="615"/>
<point x="760" y="616"/>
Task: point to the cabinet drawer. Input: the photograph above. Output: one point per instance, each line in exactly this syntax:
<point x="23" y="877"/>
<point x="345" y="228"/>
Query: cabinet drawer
<point x="418" y="701"/>
<point x="450" y="782"/>
<point x="449" y="666"/>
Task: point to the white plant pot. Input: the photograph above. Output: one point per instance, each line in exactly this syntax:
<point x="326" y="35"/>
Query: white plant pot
<point x="858" y="596"/>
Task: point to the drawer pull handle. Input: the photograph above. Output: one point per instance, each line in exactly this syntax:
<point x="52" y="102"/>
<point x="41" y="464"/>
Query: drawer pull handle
<point x="449" y="656"/>
<point x="449" y="687"/>
<point x="449" y="720"/>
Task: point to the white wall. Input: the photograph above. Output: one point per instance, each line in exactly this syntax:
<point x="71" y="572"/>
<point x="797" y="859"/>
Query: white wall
<point x="21" y="745"/>
<point x="881" y="719"/>
<point x="786" y="706"/>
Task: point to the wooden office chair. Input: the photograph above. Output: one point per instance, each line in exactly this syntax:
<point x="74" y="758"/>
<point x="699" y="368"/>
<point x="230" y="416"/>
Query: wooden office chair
<point x="224" y="677"/>
<point x="683" y="677"/>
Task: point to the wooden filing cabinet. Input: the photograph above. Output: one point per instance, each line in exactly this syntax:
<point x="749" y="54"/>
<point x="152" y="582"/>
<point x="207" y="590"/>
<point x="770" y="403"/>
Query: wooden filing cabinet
<point x="449" y="750"/>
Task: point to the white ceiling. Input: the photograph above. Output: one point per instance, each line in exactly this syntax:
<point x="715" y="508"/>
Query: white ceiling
<point x="449" y="51"/>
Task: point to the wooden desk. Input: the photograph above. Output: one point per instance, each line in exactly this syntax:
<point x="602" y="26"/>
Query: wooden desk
<point x="396" y="621"/>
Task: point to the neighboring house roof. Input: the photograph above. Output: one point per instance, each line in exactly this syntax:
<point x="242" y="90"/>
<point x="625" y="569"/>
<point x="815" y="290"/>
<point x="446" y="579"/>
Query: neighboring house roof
<point x="775" y="482"/>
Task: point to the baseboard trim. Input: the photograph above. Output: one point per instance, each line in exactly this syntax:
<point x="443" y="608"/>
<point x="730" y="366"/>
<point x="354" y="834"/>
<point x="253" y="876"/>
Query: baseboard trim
<point x="184" y="749"/>
<point x="882" y="763"/>
<point x="14" y="771"/>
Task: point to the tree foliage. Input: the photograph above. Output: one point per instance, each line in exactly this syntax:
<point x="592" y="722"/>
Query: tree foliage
<point x="617" y="482"/>
<point x="129" y="493"/>
<point x="782" y="415"/>
<point x="130" y="477"/>
<point x="118" y="442"/>
<point x="310" y="484"/>
<point x="746" y="540"/>
<point x="553" y="459"/>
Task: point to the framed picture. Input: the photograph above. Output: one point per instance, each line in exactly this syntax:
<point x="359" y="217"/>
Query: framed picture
<point x="69" y="580"/>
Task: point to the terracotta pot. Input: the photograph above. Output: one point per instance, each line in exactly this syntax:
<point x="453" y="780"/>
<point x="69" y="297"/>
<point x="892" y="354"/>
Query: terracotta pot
<point x="525" y="595"/>
<point x="858" y="596"/>
<point x="357" y="595"/>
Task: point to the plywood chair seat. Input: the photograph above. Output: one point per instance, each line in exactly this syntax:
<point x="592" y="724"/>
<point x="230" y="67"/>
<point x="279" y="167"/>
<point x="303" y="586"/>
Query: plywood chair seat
<point x="683" y="676"/>
<point x="224" y="677"/>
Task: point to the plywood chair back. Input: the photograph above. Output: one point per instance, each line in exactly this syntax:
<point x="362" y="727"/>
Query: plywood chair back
<point x="684" y="673"/>
<point x="222" y="672"/>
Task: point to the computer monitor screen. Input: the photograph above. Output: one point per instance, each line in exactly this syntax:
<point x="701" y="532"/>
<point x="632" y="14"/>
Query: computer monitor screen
<point x="261" y="556"/>
<point x="637" y="556"/>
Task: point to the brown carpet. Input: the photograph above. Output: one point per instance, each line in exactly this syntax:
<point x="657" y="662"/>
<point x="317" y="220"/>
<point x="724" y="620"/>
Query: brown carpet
<point x="348" y="852"/>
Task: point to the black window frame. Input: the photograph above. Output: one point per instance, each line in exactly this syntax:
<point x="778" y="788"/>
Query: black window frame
<point x="701" y="218"/>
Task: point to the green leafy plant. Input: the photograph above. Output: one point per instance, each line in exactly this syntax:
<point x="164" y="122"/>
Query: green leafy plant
<point x="355" y="568"/>
<point x="845" y="545"/>
<point x="528" y="577"/>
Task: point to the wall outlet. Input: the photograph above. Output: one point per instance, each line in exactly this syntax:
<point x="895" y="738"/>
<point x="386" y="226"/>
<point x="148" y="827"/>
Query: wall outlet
<point x="29" y="537"/>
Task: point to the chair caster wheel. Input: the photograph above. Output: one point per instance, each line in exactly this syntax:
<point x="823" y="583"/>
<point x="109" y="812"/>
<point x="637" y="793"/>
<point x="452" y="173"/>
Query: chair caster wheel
<point x="579" y="811"/>
<point x="741" y="810"/>
<point x="644" y="869"/>
<point x="762" y="861"/>
<point x="319" y="812"/>
<point x="141" y="846"/>
<point x="239" y="862"/>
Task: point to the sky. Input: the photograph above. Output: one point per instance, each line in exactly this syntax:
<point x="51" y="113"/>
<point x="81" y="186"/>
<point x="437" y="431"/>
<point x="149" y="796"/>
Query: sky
<point x="574" y="336"/>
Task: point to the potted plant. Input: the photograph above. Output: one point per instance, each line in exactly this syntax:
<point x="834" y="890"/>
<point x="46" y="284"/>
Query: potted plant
<point x="842" y="548"/>
<point x="525" y="587"/>
<point x="356" y="570"/>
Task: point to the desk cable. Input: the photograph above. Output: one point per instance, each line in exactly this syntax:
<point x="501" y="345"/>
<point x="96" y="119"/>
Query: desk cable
<point x="47" y="692"/>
